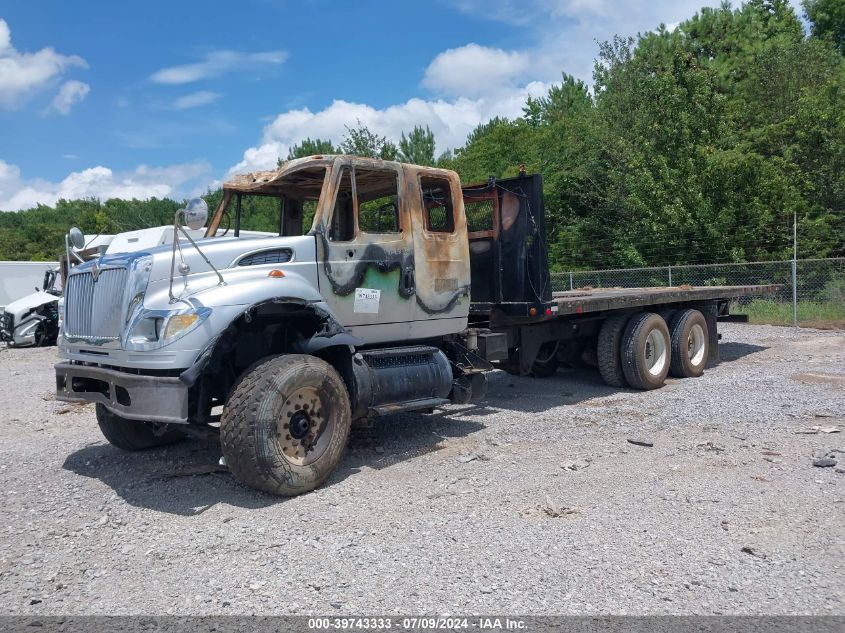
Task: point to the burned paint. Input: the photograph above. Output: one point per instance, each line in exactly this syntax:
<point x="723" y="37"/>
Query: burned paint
<point x="375" y="257"/>
<point x="430" y="265"/>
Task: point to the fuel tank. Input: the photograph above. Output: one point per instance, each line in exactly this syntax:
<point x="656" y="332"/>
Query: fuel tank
<point x="399" y="379"/>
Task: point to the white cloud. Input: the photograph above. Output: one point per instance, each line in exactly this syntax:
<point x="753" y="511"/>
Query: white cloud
<point x="216" y="63"/>
<point x="71" y="93"/>
<point x="100" y="182"/>
<point x="195" y="100"/>
<point x="23" y="74"/>
<point x="260" y="158"/>
<point x="473" y="70"/>
<point x="450" y="121"/>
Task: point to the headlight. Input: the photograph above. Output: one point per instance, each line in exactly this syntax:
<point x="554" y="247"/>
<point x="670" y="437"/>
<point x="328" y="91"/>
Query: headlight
<point x="179" y="323"/>
<point x="152" y="329"/>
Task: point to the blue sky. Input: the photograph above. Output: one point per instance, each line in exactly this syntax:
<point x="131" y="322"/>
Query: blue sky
<point x="113" y="99"/>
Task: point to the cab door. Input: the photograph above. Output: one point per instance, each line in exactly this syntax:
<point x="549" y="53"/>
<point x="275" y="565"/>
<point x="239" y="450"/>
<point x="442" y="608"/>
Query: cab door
<point x="366" y="251"/>
<point x="441" y="250"/>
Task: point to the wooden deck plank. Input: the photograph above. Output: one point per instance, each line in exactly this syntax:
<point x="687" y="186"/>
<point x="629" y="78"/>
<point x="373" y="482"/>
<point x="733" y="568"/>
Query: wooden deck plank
<point x="600" y="299"/>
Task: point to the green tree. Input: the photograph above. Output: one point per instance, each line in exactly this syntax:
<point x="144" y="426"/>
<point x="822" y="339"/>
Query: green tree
<point x="827" y="19"/>
<point x="417" y="147"/>
<point x="361" y="141"/>
<point x="483" y="129"/>
<point x="570" y="97"/>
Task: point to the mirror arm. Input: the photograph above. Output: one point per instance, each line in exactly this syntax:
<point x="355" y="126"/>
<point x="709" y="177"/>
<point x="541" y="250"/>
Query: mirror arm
<point x="176" y="228"/>
<point x="207" y="261"/>
<point x="173" y="257"/>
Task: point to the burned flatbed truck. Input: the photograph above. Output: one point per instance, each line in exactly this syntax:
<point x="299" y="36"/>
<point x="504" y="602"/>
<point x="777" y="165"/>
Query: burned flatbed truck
<point x="386" y="287"/>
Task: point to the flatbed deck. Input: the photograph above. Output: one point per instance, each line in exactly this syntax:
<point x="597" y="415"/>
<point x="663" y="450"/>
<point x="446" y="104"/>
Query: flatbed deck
<point x="586" y="300"/>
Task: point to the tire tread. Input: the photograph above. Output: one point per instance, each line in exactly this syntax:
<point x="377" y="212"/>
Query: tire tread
<point x="608" y="350"/>
<point x="635" y="372"/>
<point x="679" y="367"/>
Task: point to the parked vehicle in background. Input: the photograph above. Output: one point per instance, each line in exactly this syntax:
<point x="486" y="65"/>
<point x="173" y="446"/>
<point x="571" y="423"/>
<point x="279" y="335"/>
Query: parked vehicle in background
<point x="18" y="278"/>
<point x="34" y="319"/>
<point x="387" y="287"/>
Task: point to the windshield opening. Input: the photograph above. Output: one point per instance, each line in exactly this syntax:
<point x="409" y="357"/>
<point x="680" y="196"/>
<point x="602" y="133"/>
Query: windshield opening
<point x="285" y="207"/>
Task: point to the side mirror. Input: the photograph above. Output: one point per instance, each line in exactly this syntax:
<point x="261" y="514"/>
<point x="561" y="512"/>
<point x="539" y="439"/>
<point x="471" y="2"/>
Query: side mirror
<point x="195" y="213"/>
<point x="77" y="238"/>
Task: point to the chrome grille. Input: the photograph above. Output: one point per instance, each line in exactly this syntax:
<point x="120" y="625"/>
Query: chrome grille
<point x="94" y="310"/>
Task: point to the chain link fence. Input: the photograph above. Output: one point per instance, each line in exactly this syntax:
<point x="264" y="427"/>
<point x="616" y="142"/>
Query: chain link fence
<point x="816" y="298"/>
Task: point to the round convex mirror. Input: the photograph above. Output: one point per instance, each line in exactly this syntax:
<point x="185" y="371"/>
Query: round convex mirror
<point x="76" y="237"/>
<point x="195" y="213"/>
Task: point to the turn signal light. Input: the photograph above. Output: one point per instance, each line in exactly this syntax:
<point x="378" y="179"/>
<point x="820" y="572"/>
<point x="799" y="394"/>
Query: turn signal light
<point x="532" y="312"/>
<point x="275" y="273"/>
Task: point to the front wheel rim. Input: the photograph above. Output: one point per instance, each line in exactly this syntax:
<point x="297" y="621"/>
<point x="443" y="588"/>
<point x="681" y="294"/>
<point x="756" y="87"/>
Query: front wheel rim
<point x="655" y="352"/>
<point x="303" y="427"/>
<point x="695" y="345"/>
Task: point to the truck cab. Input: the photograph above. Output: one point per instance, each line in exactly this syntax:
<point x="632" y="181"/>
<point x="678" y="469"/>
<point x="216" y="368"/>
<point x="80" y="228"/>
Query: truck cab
<point x="390" y="246"/>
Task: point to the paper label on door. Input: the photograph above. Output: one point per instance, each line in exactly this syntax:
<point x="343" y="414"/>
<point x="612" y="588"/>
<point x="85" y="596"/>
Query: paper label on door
<point x="366" y="300"/>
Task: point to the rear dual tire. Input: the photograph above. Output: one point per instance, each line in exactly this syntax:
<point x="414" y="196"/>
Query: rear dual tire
<point x="690" y="344"/>
<point x="608" y="350"/>
<point x="646" y="351"/>
<point x="639" y="351"/>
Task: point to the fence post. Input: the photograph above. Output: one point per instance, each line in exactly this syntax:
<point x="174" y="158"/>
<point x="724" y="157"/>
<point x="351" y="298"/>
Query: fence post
<point x="570" y="281"/>
<point x="670" y="275"/>
<point x="794" y="292"/>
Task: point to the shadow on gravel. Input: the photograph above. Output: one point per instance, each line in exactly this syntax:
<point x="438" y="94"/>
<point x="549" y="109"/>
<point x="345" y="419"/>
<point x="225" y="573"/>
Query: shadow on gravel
<point x="397" y="438"/>
<point x="180" y="479"/>
<point x="729" y="352"/>
<point x="184" y="478"/>
<point x="536" y="395"/>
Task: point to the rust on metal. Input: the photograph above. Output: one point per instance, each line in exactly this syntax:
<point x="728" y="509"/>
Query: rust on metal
<point x="430" y="264"/>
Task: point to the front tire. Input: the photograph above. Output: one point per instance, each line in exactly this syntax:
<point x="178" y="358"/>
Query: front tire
<point x="286" y="424"/>
<point x="134" y="435"/>
<point x="646" y="351"/>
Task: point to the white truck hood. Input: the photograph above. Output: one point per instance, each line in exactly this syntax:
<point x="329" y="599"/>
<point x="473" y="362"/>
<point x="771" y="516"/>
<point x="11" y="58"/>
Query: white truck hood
<point x="27" y="303"/>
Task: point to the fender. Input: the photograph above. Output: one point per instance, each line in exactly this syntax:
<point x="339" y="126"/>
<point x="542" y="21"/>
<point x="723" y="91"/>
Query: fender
<point x="330" y="333"/>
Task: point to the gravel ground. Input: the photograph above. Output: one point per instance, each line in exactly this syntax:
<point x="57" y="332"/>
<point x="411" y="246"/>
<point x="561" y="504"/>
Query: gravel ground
<point x="533" y="502"/>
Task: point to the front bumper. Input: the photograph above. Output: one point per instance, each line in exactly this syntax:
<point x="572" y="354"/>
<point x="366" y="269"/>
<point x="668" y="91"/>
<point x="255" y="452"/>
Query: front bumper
<point x="132" y="396"/>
